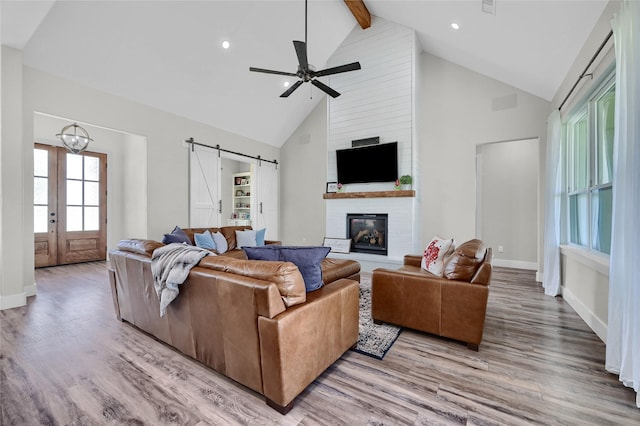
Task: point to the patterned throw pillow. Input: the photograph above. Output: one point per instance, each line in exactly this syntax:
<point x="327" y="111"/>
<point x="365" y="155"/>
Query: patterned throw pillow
<point x="434" y="254"/>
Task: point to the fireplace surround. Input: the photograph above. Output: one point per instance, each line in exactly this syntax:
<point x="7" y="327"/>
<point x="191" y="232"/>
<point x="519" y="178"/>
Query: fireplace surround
<point x="368" y="232"/>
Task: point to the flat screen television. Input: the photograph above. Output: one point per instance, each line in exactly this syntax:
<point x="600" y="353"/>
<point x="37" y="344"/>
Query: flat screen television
<point x="372" y="163"/>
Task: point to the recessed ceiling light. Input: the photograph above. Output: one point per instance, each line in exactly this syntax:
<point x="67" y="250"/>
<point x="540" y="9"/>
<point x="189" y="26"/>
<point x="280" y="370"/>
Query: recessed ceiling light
<point x="455" y="26"/>
<point x="225" y="44"/>
<point x="286" y="84"/>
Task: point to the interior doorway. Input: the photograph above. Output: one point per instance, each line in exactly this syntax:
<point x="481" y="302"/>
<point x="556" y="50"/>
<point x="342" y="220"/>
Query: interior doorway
<point x="507" y="201"/>
<point x="70" y="206"/>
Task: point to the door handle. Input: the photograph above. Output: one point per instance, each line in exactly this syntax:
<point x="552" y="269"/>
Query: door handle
<point x="219" y="206"/>
<point x="260" y="207"/>
<point x="52" y="221"/>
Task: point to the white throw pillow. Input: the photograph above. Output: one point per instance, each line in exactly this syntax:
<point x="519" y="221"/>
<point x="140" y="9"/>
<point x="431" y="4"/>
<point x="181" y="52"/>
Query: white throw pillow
<point x="221" y="242"/>
<point x="434" y="254"/>
<point x="246" y="238"/>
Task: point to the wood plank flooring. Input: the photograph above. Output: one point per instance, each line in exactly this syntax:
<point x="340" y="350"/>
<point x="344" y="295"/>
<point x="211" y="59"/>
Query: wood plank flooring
<point x="66" y="360"/>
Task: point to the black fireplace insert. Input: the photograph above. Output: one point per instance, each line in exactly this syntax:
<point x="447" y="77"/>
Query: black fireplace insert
<point x="368" y="232"/>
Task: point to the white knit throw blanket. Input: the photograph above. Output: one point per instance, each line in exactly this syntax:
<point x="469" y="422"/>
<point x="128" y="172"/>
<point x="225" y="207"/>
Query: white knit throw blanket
<point x="170" y="266"/>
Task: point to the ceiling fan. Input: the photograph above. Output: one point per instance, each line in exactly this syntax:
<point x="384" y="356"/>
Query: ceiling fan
<point x="305" y="71"/>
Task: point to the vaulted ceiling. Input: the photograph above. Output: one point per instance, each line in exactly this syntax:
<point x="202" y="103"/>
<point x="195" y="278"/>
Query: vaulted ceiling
<point x="168" y="54"/>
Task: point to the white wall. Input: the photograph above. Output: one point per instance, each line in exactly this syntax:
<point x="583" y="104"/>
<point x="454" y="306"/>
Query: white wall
<point x="508" y="201"/>
<point x="126" y="186"/>
<point x="458" y="110"/>
<point x="303" y="181"/>
<point x="12" y="281"/>
<point x="378" y="99"/>
<point x="461" y="109"/>
<point x="165" y="161"/>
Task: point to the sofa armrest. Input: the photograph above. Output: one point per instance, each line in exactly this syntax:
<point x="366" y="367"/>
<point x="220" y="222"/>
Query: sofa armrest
<point x="299" y="344"/>
<point x="412" y="260"/>
<point x="139" y="246"/>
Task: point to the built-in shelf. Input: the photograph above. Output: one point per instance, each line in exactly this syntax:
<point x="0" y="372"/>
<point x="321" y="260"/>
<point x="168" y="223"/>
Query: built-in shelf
<point x="370" y="194"/>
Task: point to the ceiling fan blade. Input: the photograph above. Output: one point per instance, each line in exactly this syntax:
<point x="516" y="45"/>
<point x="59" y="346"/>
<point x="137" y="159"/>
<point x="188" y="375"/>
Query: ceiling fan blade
<point x="328" y="90"/>
<point x="272" y="71"/>
<point x="301" y="51"/>
<point x="291" y="89"/>
<point x="337" y="70"/>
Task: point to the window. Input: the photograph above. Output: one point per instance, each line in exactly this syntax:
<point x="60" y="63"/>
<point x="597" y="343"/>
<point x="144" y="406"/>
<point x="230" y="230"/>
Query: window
<point x="590" y="170"/>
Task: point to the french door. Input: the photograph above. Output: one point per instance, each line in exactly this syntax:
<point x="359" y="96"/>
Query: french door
<point x="69" y="206"/>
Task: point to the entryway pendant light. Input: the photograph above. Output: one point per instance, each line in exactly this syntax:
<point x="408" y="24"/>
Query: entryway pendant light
<point x="74" y="138"/>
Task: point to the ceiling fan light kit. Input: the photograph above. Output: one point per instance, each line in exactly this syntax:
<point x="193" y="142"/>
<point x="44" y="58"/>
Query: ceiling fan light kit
<point x="306" y="72"/>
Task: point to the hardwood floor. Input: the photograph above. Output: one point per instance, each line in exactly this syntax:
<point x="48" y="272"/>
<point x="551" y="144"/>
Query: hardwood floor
<point x="65" y="359"/>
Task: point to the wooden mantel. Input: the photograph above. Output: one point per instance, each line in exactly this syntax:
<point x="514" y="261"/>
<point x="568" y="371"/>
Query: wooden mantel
<point x="370" y="194"/>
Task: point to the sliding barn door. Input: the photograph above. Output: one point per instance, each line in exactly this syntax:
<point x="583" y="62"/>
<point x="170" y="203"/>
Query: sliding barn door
<point x="205" y="203"/>
<point x="268" y="190"/>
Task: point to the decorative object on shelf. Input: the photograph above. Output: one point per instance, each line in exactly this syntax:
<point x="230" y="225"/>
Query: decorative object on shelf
<point x="396" y="185"/>
<point x="332" y="187"/>
<point x="338" y="245"/>
<point x="340" y="187"/>
<point x="74" y="138"/>
<point x="406" y="181"/>
<point x="238" y="181"/>
<point x="239" y="193"/>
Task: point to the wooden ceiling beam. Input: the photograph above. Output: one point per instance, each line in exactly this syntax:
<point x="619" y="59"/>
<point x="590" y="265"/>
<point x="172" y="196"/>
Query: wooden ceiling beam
<point x="360" y="12"/>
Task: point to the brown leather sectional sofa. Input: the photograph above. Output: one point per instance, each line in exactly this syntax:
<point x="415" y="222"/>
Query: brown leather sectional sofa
<point x="452" y="306"/>
<point x="250" y="320"/>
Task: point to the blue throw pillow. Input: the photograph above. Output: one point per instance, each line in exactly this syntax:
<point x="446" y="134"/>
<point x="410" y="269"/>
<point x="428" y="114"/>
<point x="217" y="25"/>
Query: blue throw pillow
<point x="205" y="240"/>
<point x="307" y="259"/>
<point x="260" y="236"/>
<point x="176" y="236"/>
<point x="220" y="242"/>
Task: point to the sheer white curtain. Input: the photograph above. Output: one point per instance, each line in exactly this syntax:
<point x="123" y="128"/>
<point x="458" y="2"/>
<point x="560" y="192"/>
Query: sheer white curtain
<point x="623" y="329"/>
<point x="553" y="191"/>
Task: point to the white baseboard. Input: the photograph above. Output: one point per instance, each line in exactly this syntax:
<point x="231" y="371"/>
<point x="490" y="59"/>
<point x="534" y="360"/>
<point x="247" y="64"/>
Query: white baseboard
<point x="518" y="264"/>
<point x="13" y="301"/>
<point x="31" y="290"/>
<point x="539" y="276"/>
<point x="598" y="327"/>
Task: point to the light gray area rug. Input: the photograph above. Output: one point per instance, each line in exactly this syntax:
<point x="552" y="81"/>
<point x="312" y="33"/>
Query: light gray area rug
<point x="373" y="340"/>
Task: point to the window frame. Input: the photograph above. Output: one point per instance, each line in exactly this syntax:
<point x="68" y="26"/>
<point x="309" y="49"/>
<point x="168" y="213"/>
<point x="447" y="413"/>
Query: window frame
<point x="589" y="110"/>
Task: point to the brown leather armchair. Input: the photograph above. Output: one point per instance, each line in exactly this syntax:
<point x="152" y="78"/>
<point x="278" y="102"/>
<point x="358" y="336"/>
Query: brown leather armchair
<point x="451" y="306"/>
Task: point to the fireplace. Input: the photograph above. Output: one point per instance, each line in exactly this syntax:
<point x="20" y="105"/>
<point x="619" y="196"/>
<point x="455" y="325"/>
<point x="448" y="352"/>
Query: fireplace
<point x="368" y="233"/>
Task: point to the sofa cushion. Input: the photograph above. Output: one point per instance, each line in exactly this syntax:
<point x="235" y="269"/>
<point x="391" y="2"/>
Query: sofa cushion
<point x="229" y="233"/>
<point x="465" y="260"/>
<point x="246" y="238"/>
<point x="220" y="241"/>
<point x="260" y="236"/>
<point x="307" y="259"/>
<point x="176" y="236"/>
<point x="138" y="246"/>
<point x="285" y="275"/>
<point x="435" y="253"/>
<point x="192" y="231"/>
<point x="205" y="240"/>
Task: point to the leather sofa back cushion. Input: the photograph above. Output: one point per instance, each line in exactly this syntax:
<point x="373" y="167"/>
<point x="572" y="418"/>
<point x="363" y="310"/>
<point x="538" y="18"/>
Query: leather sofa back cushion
<point x="307" y="259"/>
<point x="465" y="261"/>
<point x="134" y="245"/>
<point x="284" y="275"/>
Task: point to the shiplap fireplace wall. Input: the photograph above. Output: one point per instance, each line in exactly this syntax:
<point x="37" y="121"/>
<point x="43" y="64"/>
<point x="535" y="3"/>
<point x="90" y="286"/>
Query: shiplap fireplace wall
<point x="379" y="100"/>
